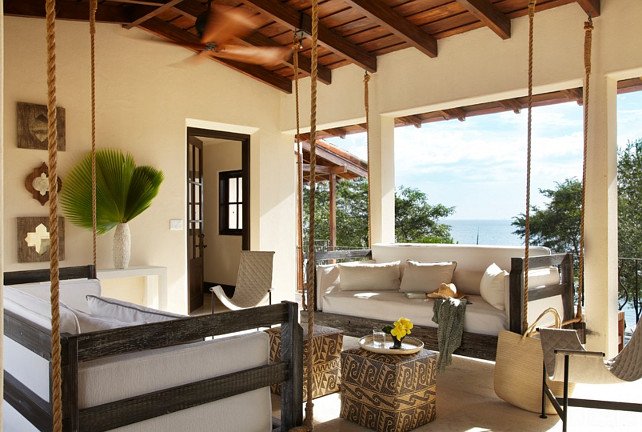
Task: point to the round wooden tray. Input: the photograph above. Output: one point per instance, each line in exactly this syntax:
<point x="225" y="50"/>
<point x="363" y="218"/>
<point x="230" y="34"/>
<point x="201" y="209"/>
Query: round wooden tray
<point x="409" y="345"/>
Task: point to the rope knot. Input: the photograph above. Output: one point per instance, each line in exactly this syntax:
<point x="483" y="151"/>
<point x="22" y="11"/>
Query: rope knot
<point x="366" y="77"/>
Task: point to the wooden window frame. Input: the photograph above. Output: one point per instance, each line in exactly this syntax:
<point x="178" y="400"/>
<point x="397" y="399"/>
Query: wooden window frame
<point x="224" y="178"/>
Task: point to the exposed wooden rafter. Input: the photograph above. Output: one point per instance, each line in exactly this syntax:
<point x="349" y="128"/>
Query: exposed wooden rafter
<point x="487" y="13"/>
<point x="194" y="8"/>
<point x="152" y="14"/>
<point x="191" y="42"/>
<point x="452" y="113"/>
<point x="388" y="18"/>
<point x="74" y="11"/>
<point x="293" y="20"/>
<point x="591" y="7"/>
<point x="511" y="104"/>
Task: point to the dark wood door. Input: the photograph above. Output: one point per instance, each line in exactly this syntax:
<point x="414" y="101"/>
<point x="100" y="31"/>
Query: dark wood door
<point x="195" y="235"/>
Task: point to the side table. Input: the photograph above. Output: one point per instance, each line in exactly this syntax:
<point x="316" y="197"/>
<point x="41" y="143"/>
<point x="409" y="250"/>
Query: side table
<point x="327" y="343"/>
<point x="388" y="393"/>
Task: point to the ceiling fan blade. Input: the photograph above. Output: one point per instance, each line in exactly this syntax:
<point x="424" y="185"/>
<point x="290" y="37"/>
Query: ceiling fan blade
<point x="266" y="56"/>
<point x="225" y="23"/>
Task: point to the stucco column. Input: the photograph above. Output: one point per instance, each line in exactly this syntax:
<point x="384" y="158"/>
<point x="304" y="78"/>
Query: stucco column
<point x="382" y="178"/>
<point x="601" y="245"/>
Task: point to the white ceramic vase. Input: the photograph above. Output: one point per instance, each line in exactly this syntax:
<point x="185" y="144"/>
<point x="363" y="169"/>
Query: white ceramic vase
<point x="122" y="246"/>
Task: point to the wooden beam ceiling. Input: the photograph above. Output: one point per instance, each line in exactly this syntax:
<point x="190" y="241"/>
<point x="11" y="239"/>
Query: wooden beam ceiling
<point x="389" y="19"/>
<point x="191" y="42"/>
<point x="194" y="8"/>
<point x="75" y="11"/>
<point x="592" y="7"/>
<point x="293" y="20"/>
<point x="487" y="13"/>
<point x="152" y="14"/>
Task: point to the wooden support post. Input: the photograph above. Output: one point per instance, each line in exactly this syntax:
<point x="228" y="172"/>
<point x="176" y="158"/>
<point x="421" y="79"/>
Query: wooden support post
<point x="333" y="211"/>
<point x="292" y="353"/>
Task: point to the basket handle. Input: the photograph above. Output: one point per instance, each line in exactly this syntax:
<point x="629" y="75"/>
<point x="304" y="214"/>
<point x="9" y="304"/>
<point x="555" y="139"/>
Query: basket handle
<point x="558" y="321"/>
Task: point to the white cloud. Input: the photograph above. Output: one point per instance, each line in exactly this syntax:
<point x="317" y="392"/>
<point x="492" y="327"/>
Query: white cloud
<point x="479" y="165"/>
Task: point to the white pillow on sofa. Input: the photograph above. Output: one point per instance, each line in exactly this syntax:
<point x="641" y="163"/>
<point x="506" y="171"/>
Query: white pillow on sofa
<point x="364" y="277"/>
<point x="91" y="323"/>
<point x="426" y="277"/>
<point x="38" y="310"/>
<point x="126" y="311"/>
<point x="492" y="287"/>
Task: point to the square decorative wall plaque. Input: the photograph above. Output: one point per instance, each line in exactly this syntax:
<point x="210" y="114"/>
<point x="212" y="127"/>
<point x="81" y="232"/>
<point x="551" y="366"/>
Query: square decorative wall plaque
<point x="32" y="126"/>
<point x="33" y="239"/>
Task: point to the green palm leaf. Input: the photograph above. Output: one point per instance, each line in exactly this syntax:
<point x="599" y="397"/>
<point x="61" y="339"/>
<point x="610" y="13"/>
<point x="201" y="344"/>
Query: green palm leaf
<point x="123" y="190"/>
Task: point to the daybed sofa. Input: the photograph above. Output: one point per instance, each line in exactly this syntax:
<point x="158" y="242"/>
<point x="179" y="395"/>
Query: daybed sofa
<point x="129" y="368"/>
<point x="357" y="296"/>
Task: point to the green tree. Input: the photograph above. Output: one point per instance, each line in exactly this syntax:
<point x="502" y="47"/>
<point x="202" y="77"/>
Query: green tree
<point x="557" y="226"/>
<point x="415" y="219"/>
<point x="629" y="182"/>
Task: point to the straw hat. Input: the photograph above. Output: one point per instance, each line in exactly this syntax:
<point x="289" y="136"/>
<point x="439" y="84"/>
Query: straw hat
<point x="446" y="290"/>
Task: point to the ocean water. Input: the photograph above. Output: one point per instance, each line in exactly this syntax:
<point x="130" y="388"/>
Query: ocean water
<point x="483" y="232"/>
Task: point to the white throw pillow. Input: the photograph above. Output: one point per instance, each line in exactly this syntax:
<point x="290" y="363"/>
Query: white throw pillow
<point x="126" y="311"/>
<point x="90" y="323"/>
<point x="38" y="310"/>
<point x="369" y="277"/>
<point x="492" y="286"/>
<point x="426" y="277"/>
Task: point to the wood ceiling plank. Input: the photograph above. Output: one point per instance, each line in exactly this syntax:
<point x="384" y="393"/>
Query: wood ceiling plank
<point x="294" y="20"/>
<point x="487" y="13"/>
<point x="398" y="25"/>
<point x="73" y="11"/>
<point x="190" y="41"/>
<point x="153" y="13"/>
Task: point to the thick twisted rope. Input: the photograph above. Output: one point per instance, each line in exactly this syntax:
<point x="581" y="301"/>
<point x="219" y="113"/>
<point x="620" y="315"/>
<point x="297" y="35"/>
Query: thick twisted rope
<point x="299" y="156"/>
<point x="588" y="29"/>
<point x="56" y="375"/>
<point x="366" y="103"/>
<point x="309" y="406"/>
<point x="531" y="15"/>
<point x="93" y="5"/>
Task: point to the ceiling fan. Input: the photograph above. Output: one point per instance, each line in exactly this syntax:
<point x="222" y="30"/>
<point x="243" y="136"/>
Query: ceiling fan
<point x="218" y="28"/>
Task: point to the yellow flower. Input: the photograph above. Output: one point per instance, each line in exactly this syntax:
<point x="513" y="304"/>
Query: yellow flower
<point x="402" y="328"/>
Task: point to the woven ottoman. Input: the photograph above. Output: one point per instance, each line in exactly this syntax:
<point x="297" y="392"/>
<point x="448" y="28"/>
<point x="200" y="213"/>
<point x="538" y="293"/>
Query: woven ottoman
<point x="388" y="393"/>
<point x="326" y="369"/>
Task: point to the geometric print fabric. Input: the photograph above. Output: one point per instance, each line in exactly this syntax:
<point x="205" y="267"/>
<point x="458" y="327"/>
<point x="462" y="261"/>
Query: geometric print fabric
<point x="388" y="393"/>
<point x="326" y="361"/>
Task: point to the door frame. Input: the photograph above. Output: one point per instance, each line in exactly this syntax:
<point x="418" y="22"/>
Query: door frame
<point x="244" y="140"/>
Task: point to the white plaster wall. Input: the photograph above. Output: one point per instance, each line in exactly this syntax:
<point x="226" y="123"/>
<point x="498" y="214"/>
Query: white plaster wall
<point x="144" y="105"/>
<point x="223" y="252"/>
<point x="1" y="188"/>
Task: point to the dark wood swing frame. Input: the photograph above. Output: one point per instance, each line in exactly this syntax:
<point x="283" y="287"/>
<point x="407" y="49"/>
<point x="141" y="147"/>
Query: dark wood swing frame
<point x="473" y="344"/>
<point x="77" y="349"/>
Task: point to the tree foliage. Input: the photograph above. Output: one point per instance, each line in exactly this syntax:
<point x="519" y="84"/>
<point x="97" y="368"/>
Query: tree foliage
<point x="557" y="226"/>
<point x="415" y="219"/>
<point x="629" y="183"/>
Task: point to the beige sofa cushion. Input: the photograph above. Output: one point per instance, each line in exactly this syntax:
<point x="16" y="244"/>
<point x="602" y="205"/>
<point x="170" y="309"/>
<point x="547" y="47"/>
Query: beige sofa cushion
<point x="363" y="277"/>
<point x="426" y="277"/>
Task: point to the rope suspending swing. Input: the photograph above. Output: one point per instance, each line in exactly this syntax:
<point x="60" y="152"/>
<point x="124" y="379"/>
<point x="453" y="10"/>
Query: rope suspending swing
<point x="588" y="28"/>
<point x="52" y="139"/>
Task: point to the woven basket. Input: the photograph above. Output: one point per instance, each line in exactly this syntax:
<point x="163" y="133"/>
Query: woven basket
<point x="519" y="368"/>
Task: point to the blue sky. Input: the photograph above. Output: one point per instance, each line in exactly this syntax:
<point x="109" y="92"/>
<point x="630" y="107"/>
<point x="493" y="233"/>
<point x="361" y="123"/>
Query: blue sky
<point x="478" y="166"/>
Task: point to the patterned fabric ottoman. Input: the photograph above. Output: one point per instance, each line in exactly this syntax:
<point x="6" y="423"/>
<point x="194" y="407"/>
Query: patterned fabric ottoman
<point x="326" y="370"/>
<point x="388" y="393"/>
